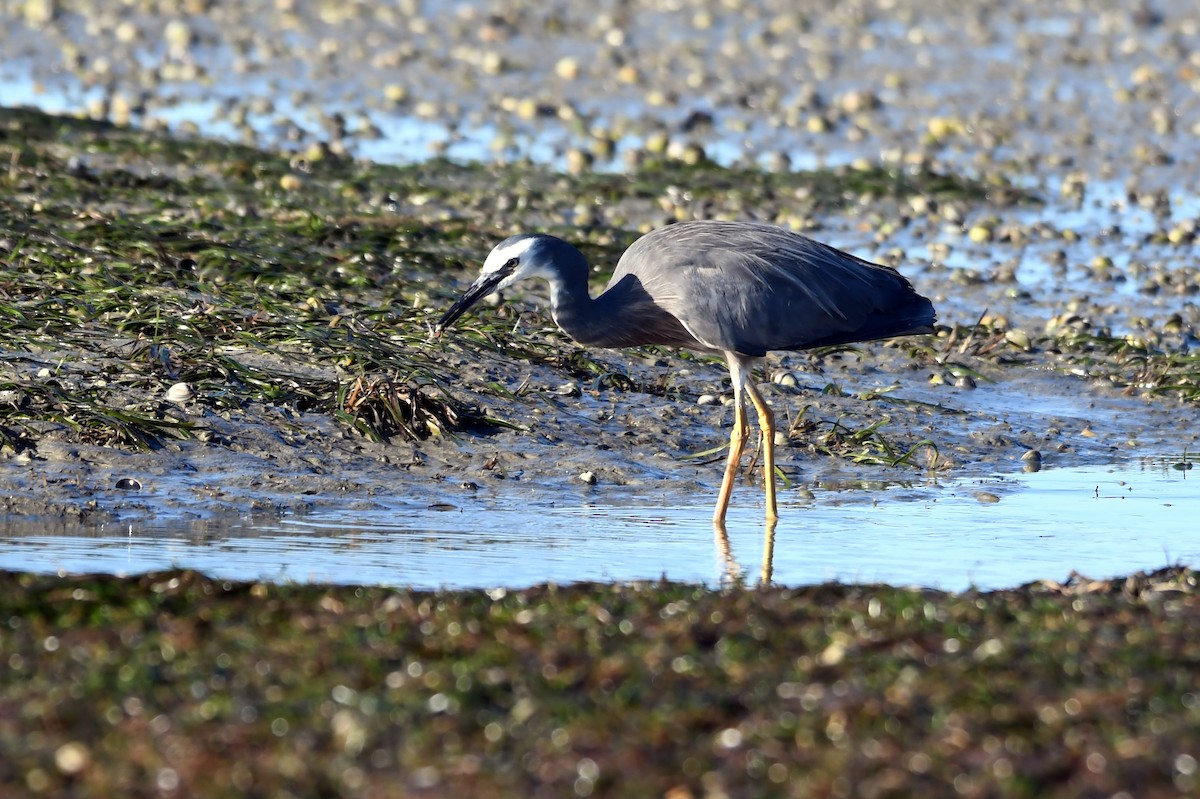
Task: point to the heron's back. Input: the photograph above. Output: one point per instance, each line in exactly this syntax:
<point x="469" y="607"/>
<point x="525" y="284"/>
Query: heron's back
<point x="749" y="288"/>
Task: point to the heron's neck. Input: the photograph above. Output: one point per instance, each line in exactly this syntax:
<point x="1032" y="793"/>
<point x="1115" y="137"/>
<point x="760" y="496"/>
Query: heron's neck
<point x="574" y="310"/>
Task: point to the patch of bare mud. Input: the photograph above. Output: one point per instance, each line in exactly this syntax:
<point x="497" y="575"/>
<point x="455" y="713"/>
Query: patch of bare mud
<point x="274" y="461"/>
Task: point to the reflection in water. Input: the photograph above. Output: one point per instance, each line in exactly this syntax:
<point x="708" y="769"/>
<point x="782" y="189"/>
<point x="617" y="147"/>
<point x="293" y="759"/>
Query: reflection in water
<point x="731" y="569"/>
<point x="768" y="558"/>
<point x="728" y="564"/>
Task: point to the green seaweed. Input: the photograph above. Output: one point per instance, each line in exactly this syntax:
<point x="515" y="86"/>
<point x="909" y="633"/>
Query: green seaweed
<point x="121" y="686"/>
<point x="135" y="260"/>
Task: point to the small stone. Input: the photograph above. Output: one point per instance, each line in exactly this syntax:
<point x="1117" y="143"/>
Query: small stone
<point x="178" y="37"/>
<point x="816" y="124"/>
<point x="40" y="12"/>
<point x="693" y="154"/>
<point x="579" y="161"/>
<point x="395" y="93"/>
<point x="567" y="68"/>
<point x="127" y="32"/>
<point x="1017" y="338"/>
<point x="987" y="497"/>
<point x="941" y="127"/>
<point x="589" y="478"/>
<point x="72" y="758"/>
<point x="1032" y="461"/>
<point x="980" y="234"/>
<point x="527" y="108"/>
<point x="785" y="379"/>
<point x="657" y="143"/>
<point x="708" y="399"/>
<point x="494" y="63"/>
<point x="569" y="390"/>
<point x="833" y="654"/>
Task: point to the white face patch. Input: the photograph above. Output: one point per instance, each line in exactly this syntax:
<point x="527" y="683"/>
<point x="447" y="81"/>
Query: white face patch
<point x="505" y="252"/>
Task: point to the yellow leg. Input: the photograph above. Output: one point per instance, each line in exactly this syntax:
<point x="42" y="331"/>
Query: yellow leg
<point x="766" y="424"/>
<point x="737" y="443"/>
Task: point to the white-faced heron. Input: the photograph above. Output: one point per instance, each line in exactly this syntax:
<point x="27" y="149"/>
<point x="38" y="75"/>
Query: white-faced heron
<point x="739" y="289"/>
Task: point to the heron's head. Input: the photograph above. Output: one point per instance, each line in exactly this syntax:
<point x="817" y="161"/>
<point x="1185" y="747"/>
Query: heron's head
<point x="513" y="259"/>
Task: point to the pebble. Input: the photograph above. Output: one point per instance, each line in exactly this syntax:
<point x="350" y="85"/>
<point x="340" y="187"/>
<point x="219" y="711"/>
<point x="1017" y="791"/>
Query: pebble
<point x="72" y="758"/>
<point x="39" y="12"/>
<point x="980" y="234"/>
<point x="589" y="478"/>
<point x="579" y="161"/>
<point x="942" y="127"/>
<point x="567" y="68"/>
<point x="1017" y="338"/>
<point x="178" y="37"/>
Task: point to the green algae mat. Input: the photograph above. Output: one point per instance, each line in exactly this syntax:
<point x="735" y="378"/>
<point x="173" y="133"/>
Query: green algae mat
<point x="173" y="684"/>
<point x="258" y="278"/>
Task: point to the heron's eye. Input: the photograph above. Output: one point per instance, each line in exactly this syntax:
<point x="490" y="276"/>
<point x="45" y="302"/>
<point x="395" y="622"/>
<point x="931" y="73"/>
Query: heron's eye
<point x="511" y="263"/>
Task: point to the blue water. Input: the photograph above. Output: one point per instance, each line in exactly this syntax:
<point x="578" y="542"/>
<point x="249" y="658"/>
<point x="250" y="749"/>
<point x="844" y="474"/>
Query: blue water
<point x="1099" y="521"/>
<point x="402" y="139"/>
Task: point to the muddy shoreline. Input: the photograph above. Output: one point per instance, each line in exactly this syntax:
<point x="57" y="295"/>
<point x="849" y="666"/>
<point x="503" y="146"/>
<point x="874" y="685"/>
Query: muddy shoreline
<point x="309" y="380"/>
<point x="1022" y="165"/>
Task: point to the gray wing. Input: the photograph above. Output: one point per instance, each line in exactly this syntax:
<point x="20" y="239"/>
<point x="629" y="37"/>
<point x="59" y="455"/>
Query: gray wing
<point x="750" y="288"/>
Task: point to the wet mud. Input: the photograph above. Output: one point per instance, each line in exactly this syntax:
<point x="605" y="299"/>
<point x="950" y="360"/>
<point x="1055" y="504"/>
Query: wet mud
<point x="1069" y="271"/>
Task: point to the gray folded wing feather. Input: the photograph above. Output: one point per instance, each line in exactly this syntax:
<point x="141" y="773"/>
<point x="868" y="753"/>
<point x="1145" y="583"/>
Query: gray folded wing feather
<point x="750" y="288"/>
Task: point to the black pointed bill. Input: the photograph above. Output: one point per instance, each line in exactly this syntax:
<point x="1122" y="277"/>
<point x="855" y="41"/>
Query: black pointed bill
<point x="482" y="287"/>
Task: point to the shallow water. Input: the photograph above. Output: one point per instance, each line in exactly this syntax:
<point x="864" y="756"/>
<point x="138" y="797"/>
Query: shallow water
<point x="402" y="139"/>
<point x="1100" y="521"/>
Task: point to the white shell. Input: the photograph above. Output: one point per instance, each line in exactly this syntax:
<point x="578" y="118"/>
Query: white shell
<point x="180" y="392"/>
